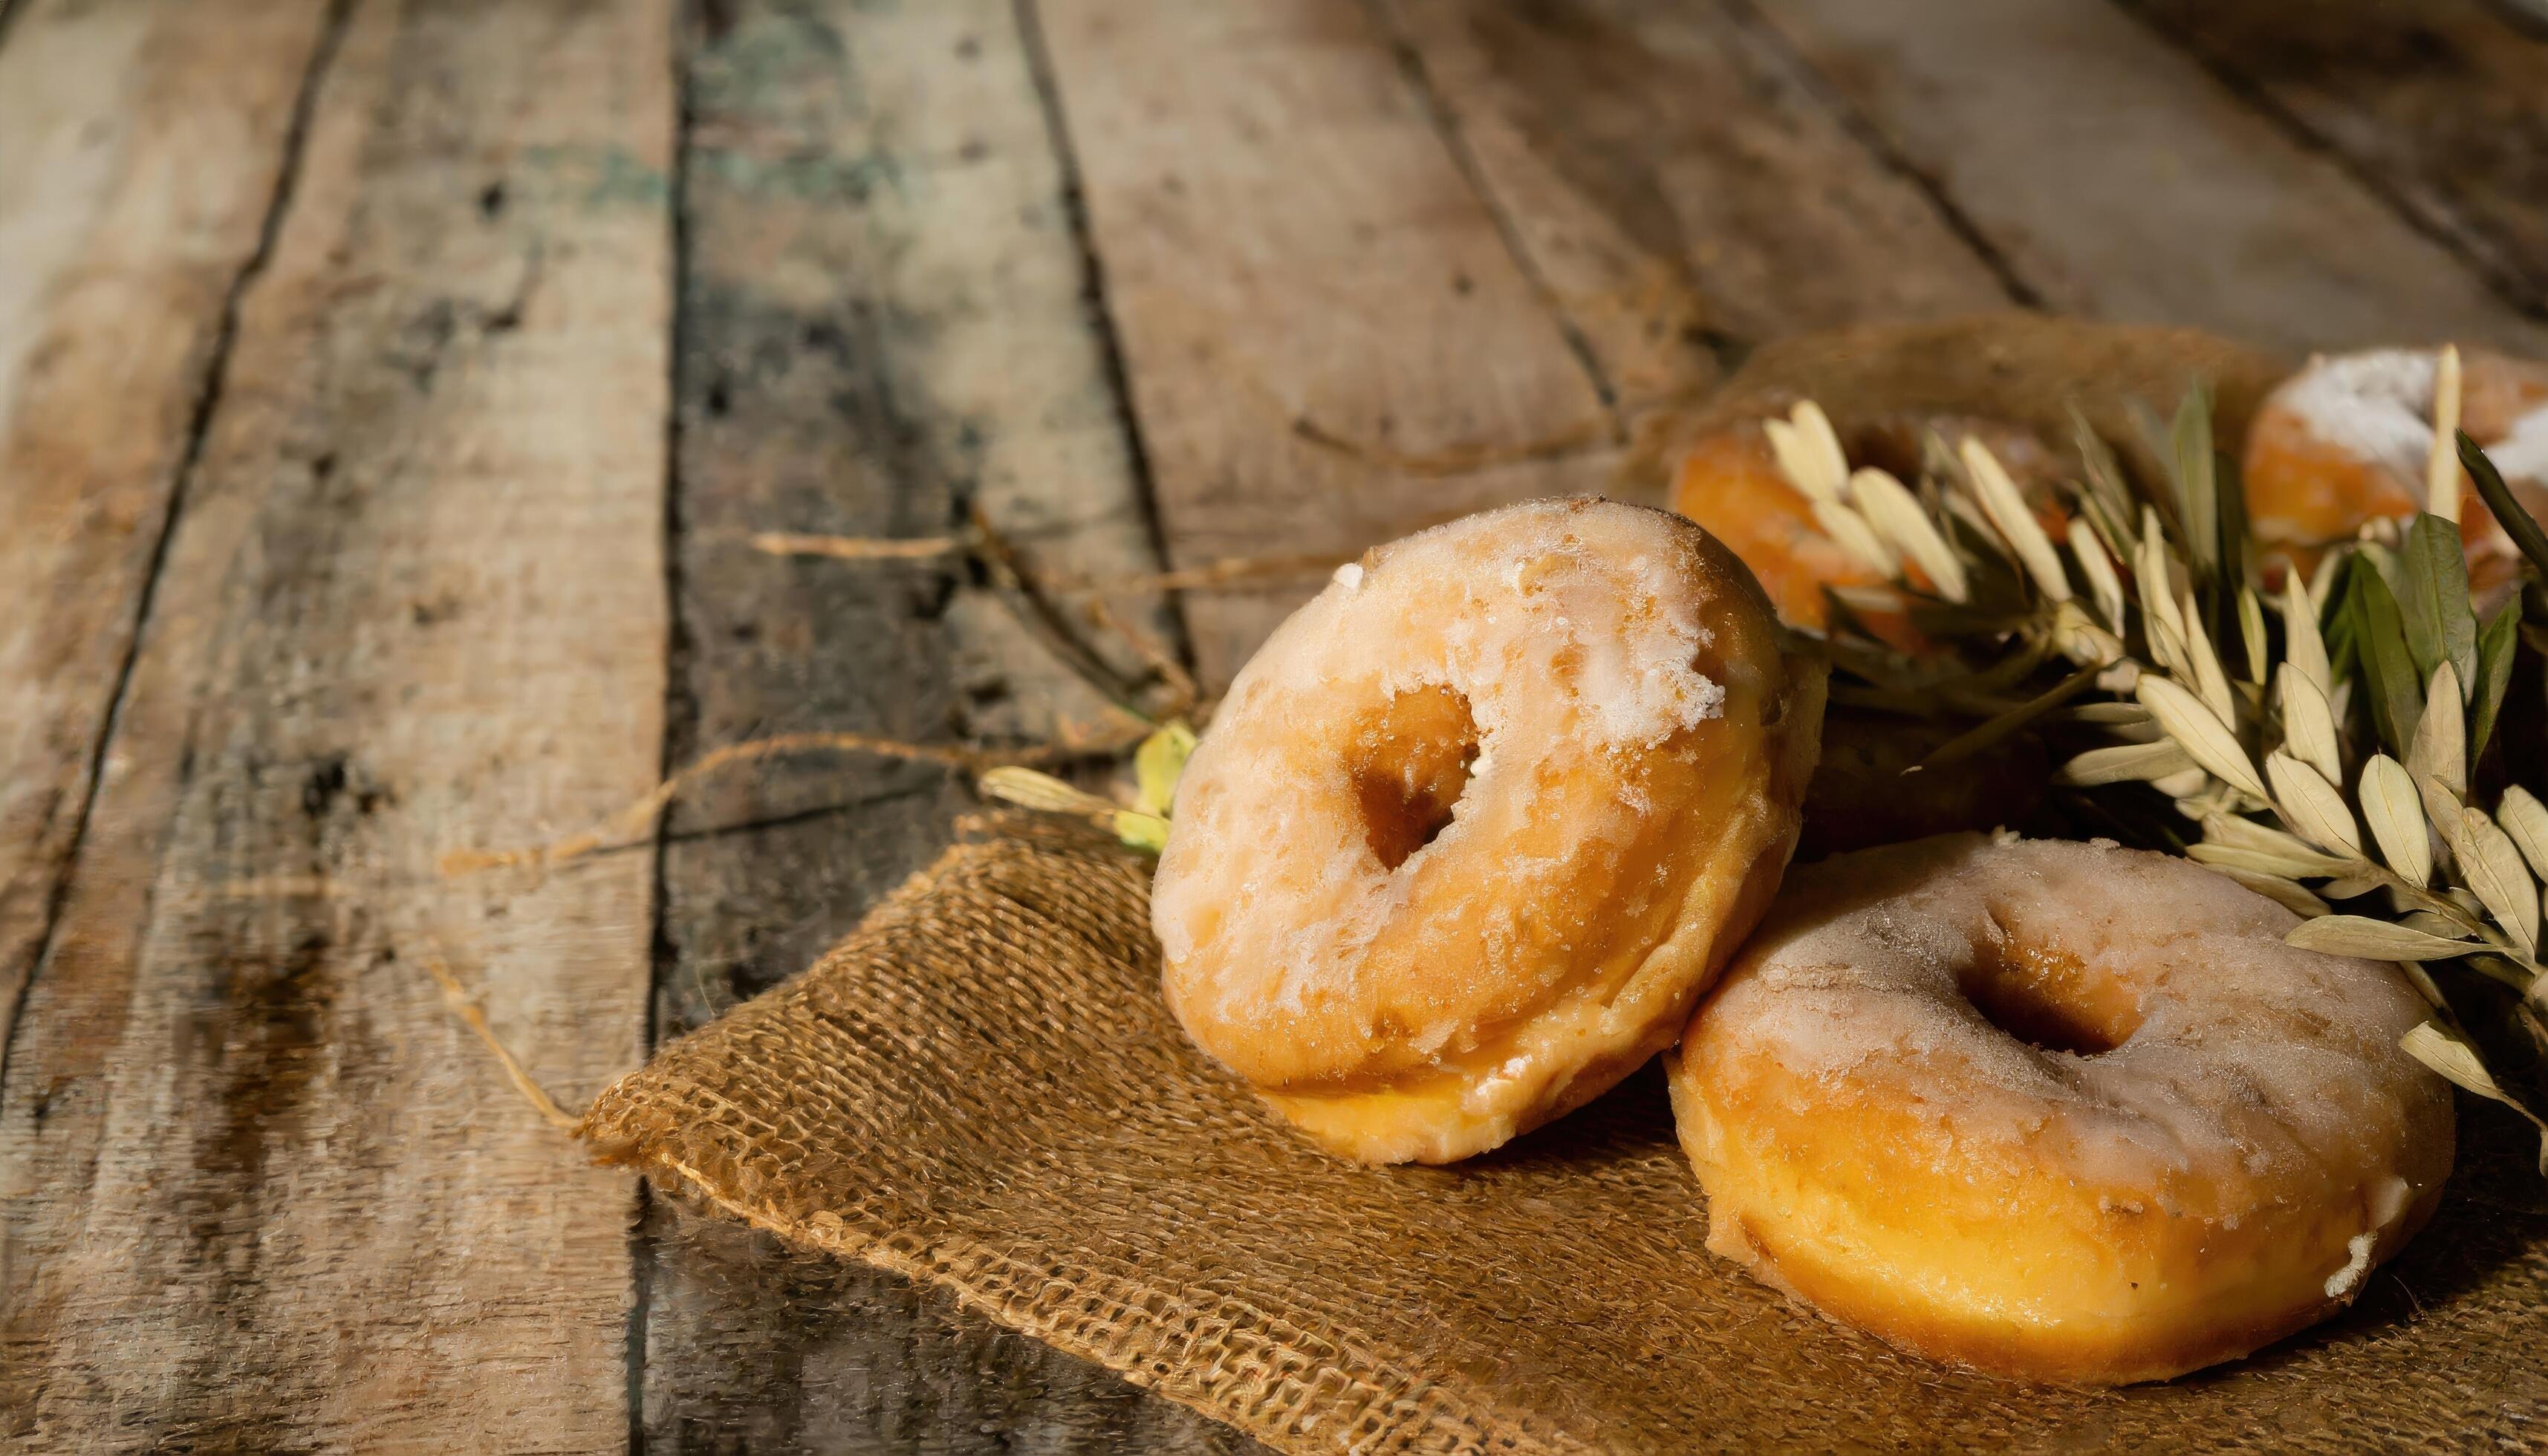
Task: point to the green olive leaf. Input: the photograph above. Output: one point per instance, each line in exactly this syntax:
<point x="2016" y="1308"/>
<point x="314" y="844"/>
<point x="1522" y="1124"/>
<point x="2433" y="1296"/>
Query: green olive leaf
<point x="2206" y="736"/>
<point x="2525" y="819"/>
<point x="2492" y="864"/>
<point x="2251" y="634"/>
<point x="2390" y="677"/>
<point x="2337" y="635"/>
<point x="1030" y="790"/>
<point x="2516" y="522"/>
<point x="2433" y="602"/>
<point x="2496" y="643"/>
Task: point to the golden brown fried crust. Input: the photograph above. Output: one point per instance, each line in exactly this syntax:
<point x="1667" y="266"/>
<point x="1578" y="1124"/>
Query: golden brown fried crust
<point x="1479" y="996"/>
<point x="2055" y="1111"/>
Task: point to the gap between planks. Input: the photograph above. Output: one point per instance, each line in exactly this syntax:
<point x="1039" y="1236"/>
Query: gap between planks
<point x="208" y="398"/>
<point x="680" y="705"/>
<point x="1455" y="143"/>
<point x="1100" y="312"/>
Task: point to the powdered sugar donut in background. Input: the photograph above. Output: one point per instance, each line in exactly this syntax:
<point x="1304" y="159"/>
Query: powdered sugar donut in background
<point x="2059" y="1111"/>
<point x="2346" y="440"/>
<point x="1474" y="829"/>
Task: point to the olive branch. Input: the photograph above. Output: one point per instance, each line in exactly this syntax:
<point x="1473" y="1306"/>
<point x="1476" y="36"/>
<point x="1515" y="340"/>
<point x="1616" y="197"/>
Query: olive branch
<point x="2359" y="699"/>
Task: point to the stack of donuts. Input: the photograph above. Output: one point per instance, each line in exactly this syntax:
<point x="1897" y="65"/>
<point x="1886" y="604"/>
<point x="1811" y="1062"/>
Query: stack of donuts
<point x="1507" y="811"/>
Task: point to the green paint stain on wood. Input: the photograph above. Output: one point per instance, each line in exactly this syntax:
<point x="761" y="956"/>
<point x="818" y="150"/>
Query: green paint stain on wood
<point x="595" y="178"/>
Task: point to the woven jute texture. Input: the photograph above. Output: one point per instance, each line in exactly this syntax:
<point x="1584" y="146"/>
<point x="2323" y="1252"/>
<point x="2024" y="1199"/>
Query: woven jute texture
<point x="980" y="1087"/>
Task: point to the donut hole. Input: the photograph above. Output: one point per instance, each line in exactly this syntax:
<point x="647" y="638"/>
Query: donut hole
<point x="2049" y="999"/>
<point x="1409" y="764"/>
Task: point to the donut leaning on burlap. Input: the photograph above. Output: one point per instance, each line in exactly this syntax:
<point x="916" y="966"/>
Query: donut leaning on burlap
<point x="1474" y="830"/>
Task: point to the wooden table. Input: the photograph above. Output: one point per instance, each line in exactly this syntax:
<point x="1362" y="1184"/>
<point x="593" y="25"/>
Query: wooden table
<point x="390" y="393"/>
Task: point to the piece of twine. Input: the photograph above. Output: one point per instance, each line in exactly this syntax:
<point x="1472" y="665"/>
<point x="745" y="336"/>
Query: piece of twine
<point x="466" y="1007"/>
<point x="624" y="825"/>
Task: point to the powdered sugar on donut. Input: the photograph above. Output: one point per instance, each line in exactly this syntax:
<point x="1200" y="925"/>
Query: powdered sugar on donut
<point x="2240" y="1055"/>
<point x="2523" y="453"/>
<point x="1577" y="637"/>
<point x="2376" y="406"/>
<point x="2066" y="1111"/>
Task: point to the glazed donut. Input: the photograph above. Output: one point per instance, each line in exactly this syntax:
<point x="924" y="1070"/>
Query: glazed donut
<point x="2059" y="1111"/>
<point x="1474" y="829"/>
<point x="2345" y="440"/>
<point x="1730" y="481"/>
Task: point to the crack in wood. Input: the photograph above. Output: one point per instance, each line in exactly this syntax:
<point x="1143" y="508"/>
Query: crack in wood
<point x="206" y="401"/>
<point x="2519" y="292"/>
<point x="1892" y="156"/>
<point x="1446" y="124"/>
<point x="1100" y="312"/>
<point x="680" y="701"/>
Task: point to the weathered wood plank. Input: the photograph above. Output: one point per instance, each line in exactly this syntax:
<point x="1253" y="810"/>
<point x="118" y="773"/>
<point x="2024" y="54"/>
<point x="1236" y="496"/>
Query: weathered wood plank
<point x="2441" y="106"/>
<point x="1327" y="338"/>
<point x="1673" y="178"/>
<point x="141" y="147"/>
<point x="263" y="1190"/>
<point x="2121" y="181"/>
<point x="882" y="321"/>
<point x="874" y="1363"/>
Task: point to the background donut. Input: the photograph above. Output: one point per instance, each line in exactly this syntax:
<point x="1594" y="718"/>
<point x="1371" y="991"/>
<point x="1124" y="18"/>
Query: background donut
<point x="2344" y="441"/>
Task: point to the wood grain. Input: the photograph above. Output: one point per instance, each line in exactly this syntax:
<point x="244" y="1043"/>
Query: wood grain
<point x="2121" y="181"/>
<point x="883" y="322"/>
<point x="140" y="148"/>
<point x="1327" y="340"/>
<point x="1679" y="184"/>
<point x="872" y="1362"/>
<point x="263" y="1190"/>
<point x="2441" y="107"/>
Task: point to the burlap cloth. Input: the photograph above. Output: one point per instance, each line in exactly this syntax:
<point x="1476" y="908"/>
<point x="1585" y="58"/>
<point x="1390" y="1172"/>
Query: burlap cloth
<point x="980" y="1087"/>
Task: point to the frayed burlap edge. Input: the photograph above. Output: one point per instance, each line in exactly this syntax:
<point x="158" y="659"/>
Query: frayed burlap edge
<point x="1292" y="1388"/>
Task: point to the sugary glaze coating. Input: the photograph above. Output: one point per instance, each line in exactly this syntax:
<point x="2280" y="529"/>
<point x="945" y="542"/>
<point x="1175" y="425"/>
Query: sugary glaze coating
<point x="1474" y="829"/>
<point x="1729" y="482"/>
<point x="2346" y="440"/>
<point x="2191" y="1140"/>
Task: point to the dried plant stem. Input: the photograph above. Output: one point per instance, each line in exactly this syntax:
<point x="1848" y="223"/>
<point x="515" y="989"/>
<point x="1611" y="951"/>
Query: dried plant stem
<point x="857" y="548"/>
<point x="465" y="1007"/>
<point x="1183" y="692"/>
<point x="1032" y="599"/>
<point x="2442" y="463"/>
<point x="1442" y="462"/>
<point x="1224" y="572"/>
<point x="1989" y="733"/>
<point x="633" y="820"/>
<point x="1462" y="458"/>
